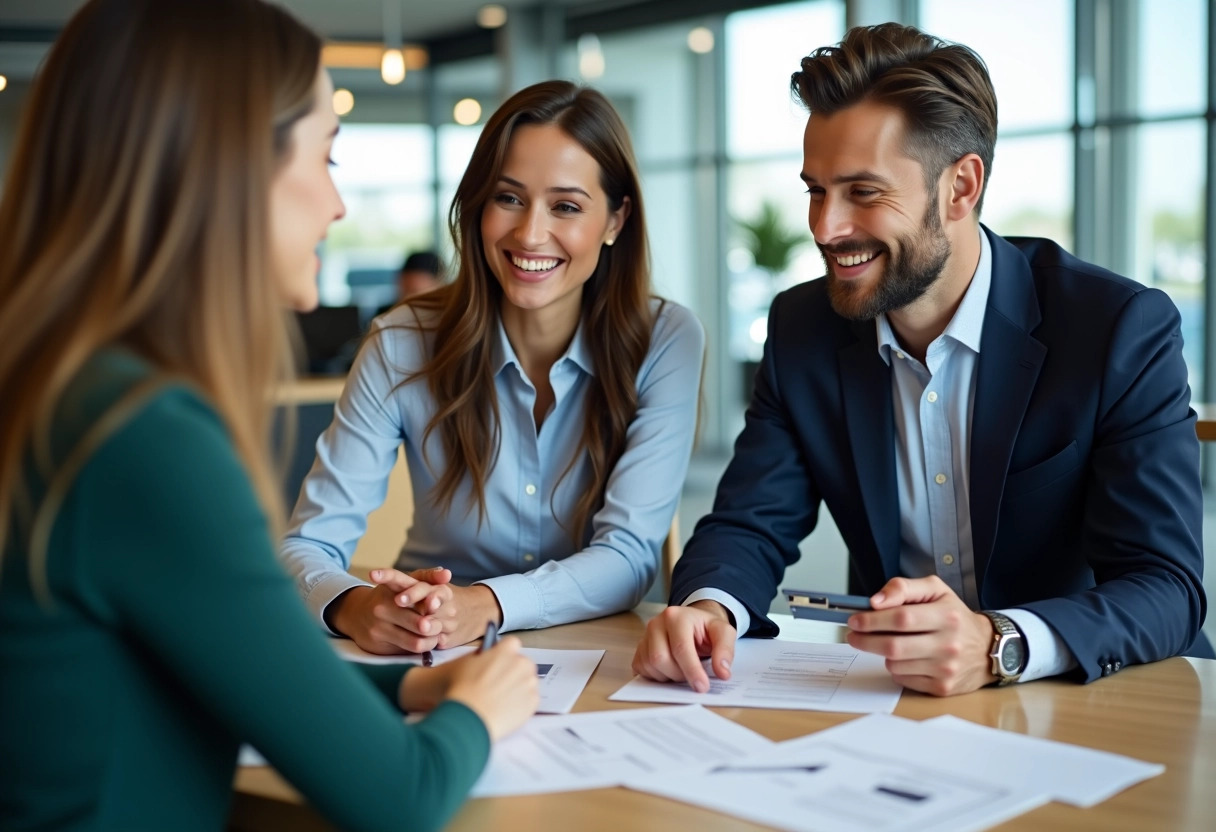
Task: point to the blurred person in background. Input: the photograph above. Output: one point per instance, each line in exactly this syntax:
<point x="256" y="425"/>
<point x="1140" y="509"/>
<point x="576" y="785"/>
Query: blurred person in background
<point x="421" y="272"/>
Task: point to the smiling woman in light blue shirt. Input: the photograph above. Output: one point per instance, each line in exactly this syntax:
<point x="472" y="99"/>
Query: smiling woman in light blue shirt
<point x="545" y="400"/>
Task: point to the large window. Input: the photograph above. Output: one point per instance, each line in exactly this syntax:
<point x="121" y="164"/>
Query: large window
<point x="1028" y="47"/>
<point x="1126" y="140"/>
<point x="652" y="77"/>
<point x="1029" y="50"/>
<point x="1103" y="146"/>
<point x="769" y="245"/>
<point x="384" y="174"/>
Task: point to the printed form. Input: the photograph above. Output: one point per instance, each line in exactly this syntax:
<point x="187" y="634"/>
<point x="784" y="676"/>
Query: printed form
<point x="890" y="774"/>
<point x="772" y="673"/>
<point x="608" y="748"/>
<point x="563" y="673"/>
<point x="824" y="786"/>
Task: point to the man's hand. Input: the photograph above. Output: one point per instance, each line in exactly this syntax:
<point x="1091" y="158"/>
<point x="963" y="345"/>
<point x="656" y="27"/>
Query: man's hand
<point x="932" y="642"/>
<point x="374" y="619"/>
<point x="454" y="615"/>
<point x="679" y="637"/>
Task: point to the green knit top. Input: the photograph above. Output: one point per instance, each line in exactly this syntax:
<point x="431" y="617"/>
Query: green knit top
<point x="172" y="635"/>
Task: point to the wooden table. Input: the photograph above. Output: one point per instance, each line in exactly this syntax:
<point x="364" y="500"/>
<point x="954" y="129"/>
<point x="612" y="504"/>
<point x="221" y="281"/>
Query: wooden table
<point x="1163" y="713"/>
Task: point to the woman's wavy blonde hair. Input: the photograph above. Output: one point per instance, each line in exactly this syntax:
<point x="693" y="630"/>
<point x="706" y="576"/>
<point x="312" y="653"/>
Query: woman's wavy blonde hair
<point x="135" y="214"/>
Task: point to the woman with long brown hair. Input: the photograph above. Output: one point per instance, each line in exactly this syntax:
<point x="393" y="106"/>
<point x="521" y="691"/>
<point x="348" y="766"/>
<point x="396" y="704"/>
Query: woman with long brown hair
<point x="545" y="400"/>
<point x="168" y="188"/>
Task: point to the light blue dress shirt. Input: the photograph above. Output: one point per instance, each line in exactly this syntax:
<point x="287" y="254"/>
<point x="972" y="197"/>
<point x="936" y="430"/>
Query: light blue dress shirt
<point x="933" y="405"/>
<point x="540" y="575"/>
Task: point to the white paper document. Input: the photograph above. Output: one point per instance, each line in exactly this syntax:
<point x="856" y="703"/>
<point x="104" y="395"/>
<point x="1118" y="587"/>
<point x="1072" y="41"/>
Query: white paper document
<point x="563" y="673"/>
<point x="609" y="748"/>
<point x="891" y="774"/>
<point x="771" y="673"/>
<point x="815" y="784"/>
<point x="1069" y="773"/>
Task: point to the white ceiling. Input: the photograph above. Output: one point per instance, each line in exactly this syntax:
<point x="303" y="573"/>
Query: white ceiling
<point x="358" y="19"/>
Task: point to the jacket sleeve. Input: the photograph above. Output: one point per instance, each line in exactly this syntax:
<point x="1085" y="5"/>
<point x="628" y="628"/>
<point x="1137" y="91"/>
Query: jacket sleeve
<point x="767" y="501"/>
<point x="1143" y="511"/>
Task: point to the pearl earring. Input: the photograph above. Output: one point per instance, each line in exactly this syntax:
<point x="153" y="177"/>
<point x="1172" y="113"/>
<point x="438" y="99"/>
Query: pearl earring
<point x="609" y="241"/>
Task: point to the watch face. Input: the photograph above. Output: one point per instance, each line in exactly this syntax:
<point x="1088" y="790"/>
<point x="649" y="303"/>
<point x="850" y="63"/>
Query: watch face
<point x="1013" y="656"/>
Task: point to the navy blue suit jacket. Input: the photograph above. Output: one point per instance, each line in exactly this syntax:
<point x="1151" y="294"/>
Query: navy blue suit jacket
<point x="1086" y="505"/>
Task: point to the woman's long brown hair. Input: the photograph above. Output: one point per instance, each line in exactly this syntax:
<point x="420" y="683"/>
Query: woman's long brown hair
<point x="135" y="211"/>
<point x="617" y="318"/>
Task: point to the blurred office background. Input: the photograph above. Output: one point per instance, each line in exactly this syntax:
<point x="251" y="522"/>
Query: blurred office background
<point x="1107" y="111"/>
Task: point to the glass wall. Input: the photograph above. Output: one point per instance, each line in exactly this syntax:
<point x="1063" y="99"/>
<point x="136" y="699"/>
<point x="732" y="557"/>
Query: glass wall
<point x="1167" y="141"/>
<point x="1103" y="146"/>
<point x="1029" y="50"/>
<point x="384" y="174"/>
<point x="769" y="245"/>
<point x="651" y="76"/>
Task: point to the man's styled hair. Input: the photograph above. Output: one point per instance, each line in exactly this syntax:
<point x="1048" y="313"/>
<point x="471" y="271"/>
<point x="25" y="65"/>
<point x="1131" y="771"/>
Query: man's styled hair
<point x="942" y="89"/>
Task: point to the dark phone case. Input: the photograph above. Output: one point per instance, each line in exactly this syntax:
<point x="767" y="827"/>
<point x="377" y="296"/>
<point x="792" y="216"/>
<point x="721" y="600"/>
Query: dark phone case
<point x="848" y="604"/>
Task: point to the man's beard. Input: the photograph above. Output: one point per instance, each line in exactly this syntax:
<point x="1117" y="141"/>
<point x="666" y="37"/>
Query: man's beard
<point x="920" y="263"/>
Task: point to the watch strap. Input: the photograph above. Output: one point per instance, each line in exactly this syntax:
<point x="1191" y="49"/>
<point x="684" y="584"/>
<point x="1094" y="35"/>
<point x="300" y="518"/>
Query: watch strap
<point x="1003" y="630"/>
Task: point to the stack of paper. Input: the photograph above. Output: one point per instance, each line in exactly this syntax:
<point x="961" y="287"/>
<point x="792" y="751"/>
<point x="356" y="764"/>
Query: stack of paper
<point x="611" y="748"/>
<point x="892" y="774"/>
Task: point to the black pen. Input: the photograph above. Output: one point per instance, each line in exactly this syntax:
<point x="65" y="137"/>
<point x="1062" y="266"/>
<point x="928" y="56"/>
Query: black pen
<point x="428" y="658"/>
<point x="490" y="638"/>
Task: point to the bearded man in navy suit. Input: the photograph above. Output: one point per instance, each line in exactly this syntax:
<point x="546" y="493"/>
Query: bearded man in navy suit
<point x="1002" y="432"/>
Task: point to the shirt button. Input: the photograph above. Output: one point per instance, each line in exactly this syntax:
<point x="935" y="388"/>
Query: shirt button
<point x="529" y="489"/>
<point x="899" y="354"/>
<point x="947" y="558"/>
<point x="932" y="397"/>
<point x="528" y="556"/>
<point x="939" y="479"/>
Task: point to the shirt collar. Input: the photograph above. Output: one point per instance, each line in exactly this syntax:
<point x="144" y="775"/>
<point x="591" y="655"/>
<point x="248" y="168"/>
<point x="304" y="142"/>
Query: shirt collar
<point x="503" y="354"/>
<point x="967" y="325"/>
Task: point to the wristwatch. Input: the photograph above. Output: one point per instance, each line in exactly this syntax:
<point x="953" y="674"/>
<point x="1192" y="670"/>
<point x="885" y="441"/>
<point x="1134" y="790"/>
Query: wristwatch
<point x="1008" y="649"/>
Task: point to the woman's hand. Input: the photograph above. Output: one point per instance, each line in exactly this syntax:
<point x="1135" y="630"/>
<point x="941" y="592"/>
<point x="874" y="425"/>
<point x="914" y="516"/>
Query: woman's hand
<point x="499" y="685"/>
<point x="375" y="620"/>
<point x="459" y="612"/>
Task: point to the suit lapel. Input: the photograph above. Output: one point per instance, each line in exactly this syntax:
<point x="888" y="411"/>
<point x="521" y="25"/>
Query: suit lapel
<point x="866" y="390"/>
<point x="1009" y="363"/>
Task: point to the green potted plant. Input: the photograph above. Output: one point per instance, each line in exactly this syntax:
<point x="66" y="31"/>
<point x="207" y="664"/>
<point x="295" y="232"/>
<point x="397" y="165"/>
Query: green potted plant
<point x="772" y="244"/>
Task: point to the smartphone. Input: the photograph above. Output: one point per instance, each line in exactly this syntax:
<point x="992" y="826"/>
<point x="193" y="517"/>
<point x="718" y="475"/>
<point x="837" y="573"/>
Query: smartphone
<point x="825" y="606"/>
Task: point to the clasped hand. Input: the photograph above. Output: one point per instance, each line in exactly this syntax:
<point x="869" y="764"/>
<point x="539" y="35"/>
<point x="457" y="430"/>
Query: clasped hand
<point x="414" y="612"/>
